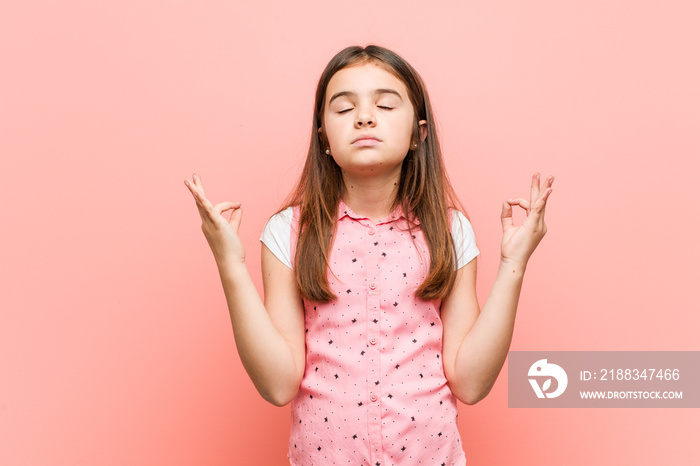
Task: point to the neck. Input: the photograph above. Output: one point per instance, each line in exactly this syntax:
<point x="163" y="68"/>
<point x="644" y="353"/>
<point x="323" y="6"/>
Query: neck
<point x="370" y="197"/>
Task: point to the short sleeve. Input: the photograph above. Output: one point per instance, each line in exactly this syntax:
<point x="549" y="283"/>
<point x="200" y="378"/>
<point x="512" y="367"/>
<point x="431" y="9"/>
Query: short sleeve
<point x="463" y="236"/>
<point x="277" y="235"/>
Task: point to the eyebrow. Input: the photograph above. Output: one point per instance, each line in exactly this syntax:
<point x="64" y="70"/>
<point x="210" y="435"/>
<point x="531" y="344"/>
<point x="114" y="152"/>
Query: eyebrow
<point x="376" y="92"/>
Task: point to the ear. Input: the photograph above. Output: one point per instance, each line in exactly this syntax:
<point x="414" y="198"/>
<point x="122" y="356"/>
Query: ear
<point x="423" y="125"/>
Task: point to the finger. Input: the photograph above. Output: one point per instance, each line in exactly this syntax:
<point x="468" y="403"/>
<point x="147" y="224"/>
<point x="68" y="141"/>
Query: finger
<point x="519" y="201"/>
<point x="535" y="188"/>
<point x="542" y="204"/>
<point x="542" y="200"/>
<point x="507" y="216"/>
<point x="547" y="184"/>
<point x="235" y="218"/>
<point x="193" y="189"/>
<point x="236" y="215"/>
<point x="201" y="208"/>
<point x="198" y="182"/>
<point x="545" y="192"/>
<point x="224" y="206"/>
<point x="548" y="192"/>
<point x="206" y="204"/>
<point x="537" y="212"/>
<point x="195" y="192"/>
<point x="206" y="208"/>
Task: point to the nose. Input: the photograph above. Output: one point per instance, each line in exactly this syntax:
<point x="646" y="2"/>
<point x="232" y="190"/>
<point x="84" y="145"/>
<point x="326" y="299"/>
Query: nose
<point x="365" y="118"/>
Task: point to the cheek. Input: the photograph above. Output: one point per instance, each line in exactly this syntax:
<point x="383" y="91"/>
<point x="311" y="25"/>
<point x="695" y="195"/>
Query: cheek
<point x="337" y="137"/>
<point x="331" y="137"/>
<point x="408" y="130"/>
<point x="331" y="131"/>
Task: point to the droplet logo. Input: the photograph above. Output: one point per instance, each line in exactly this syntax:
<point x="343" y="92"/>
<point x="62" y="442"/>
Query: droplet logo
<point x="544" y="369"/>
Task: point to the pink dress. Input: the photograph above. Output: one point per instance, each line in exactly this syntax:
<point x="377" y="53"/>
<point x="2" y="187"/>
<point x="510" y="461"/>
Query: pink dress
<point x="374" y="392"/>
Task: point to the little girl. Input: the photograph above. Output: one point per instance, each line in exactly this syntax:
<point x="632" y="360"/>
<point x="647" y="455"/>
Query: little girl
<point x="371" y="325"/>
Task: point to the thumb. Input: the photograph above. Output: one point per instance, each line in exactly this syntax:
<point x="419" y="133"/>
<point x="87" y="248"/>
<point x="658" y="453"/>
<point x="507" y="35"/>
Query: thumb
<point x="506" y="216"/>
<point x="236" y="214"/>
<point x="235" y="217"/>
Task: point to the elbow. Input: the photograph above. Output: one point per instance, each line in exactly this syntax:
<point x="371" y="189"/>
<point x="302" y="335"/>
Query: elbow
<point x="473" y="398"/>
<point x="470" y="395"/>
<point x="274" y="400"/>
<point x="279" y="402"/>
<point x="279" y="390"/>
<point x="279" y="398"/>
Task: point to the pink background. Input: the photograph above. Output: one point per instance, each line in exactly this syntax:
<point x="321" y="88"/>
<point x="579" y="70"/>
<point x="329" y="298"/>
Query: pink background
<point x="115" y="341"/>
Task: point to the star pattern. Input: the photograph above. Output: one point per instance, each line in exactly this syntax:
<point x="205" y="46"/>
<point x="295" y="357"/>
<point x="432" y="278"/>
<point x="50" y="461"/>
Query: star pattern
<point x="373" y="357"/>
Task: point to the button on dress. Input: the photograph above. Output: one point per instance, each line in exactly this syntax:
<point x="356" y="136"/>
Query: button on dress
<point x="374" y="391"/>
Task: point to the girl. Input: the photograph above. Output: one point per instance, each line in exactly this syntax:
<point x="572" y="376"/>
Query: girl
<point x="371" y="325"/>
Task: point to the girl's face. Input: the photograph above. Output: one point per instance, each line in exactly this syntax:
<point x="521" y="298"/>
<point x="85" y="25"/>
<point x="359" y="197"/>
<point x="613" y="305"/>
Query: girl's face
<point x="368" y="121"/>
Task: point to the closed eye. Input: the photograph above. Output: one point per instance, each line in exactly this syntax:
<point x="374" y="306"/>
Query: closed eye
<point x="345" y="111"/>
<point x="385" y="107"/>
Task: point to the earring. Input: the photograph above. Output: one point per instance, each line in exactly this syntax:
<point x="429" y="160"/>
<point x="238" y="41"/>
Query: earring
<point x="328" y="151"/>
<point x="415" y="146"/>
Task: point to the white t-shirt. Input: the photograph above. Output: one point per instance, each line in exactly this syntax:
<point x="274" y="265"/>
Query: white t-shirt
<point x="277" y="237"/>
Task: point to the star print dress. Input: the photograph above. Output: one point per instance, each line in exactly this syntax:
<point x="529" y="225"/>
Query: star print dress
<point x="374" y="392"/>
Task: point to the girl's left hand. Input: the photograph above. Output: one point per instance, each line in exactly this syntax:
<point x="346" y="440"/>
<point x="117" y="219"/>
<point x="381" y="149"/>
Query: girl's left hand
<point x="520" y="242"/>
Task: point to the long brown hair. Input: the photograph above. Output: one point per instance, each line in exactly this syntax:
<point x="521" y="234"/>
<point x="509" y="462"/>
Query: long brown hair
<point x="424" y="189"/>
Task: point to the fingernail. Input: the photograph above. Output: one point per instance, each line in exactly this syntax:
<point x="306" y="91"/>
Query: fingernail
<point x="187" y="183"/>
<point x="194" y="176"/>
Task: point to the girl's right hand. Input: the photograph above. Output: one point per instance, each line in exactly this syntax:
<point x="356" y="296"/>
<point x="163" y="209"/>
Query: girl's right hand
<point x="221" y="234"/>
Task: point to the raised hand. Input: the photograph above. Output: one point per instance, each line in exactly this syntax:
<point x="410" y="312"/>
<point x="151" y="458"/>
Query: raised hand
<point x="519" y="242"/>
<point x="221" y="234"/>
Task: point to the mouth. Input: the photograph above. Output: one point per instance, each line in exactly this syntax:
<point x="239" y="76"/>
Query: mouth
<point x="366" y="140"/>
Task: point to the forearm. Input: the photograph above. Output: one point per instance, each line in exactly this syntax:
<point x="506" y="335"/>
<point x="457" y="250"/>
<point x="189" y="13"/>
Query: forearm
<point x="485" y="347"/>
<point x="264" y="352"/>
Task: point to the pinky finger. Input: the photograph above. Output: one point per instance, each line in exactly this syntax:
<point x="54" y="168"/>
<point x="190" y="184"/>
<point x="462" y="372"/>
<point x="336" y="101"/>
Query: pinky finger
<point x="542" y="201"/>
<point x="193" y="190"/>
<point x="541" y="204"/>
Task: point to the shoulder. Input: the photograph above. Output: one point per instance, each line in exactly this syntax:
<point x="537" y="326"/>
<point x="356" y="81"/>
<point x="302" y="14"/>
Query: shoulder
<point x="463" y="238"/>
<point x="277" y="235"/>
<point x="458" y="219"/>
<point x="282" y="219"/>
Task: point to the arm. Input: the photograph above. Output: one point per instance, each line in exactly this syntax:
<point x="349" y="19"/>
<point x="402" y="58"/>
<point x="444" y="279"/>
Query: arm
<point x="270" y="340"/>
<point x="270" y="337"/>
<point x="476" y="343"/>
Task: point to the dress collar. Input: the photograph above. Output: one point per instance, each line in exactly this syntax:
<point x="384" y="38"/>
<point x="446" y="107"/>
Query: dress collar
<point x="345" y="211"/>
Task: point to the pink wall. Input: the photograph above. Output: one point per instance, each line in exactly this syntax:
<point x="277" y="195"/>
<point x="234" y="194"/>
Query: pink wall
<point x="115" y="342"/>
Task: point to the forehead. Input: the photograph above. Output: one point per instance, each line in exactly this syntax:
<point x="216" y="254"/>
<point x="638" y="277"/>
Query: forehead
<point x="364" y="79"/>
